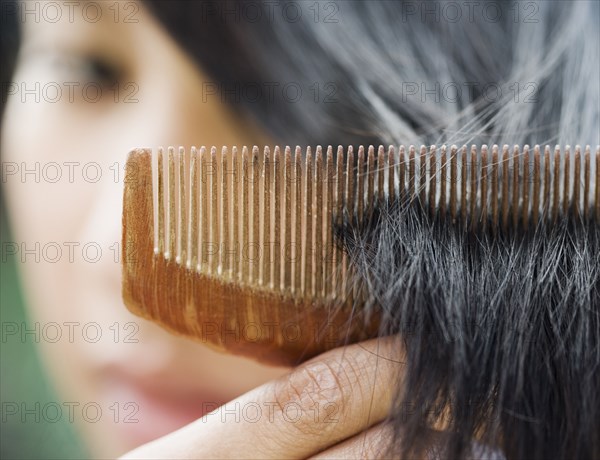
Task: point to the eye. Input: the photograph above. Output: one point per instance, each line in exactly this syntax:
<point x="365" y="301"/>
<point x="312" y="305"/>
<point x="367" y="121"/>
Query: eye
<point x="102" y="72"/>
<point x="87" y="69"/>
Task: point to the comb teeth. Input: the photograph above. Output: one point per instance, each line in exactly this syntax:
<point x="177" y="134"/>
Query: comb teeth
<point x="255" y="218"/>
<point x="265" y="218"/>
<point x="217" y="243"/>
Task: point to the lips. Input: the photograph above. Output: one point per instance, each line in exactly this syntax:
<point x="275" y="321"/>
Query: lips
<point x="146" y="409"/>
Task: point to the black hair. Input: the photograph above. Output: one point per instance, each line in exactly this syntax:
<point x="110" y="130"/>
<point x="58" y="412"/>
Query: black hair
<point x="502" y="332"/>
<point x="10" y="40"/>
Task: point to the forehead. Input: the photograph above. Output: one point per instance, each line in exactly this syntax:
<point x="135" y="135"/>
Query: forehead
<point x="119" y="31"/>
<point x="75" y="19"/>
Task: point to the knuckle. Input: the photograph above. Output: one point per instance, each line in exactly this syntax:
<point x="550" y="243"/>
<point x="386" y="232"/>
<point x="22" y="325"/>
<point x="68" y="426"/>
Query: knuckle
<point x="315" y="396"/>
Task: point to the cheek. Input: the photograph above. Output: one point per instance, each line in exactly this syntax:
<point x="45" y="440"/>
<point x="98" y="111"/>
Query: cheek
<point x="63" y="168"/>
<point x="52" y="168"/>
<point x="63" y="177"/>
<point x="62" y="172"/>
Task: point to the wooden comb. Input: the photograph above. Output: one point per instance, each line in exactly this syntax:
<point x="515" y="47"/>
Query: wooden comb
<point x="237" y="248"/>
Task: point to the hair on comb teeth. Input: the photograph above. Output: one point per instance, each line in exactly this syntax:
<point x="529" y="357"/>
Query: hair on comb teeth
<point x="237" y="248"/>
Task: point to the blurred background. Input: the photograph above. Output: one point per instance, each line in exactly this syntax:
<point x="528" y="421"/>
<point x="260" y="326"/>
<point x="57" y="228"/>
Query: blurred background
<point x="22" y="380"/>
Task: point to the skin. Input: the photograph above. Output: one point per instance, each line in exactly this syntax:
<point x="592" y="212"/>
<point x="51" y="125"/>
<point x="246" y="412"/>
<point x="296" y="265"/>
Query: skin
<point x="171" y="381"/>
<point x="331" y="399"/>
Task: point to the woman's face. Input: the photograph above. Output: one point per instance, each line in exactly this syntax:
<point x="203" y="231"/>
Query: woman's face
<point x="85" y="93"/>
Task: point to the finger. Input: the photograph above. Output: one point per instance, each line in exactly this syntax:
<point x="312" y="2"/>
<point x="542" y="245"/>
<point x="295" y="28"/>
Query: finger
<point x="320" y="403"/>
<point x="368" y="444"/>
<point x="375" y="443"/>
<point x="377" y="440"/>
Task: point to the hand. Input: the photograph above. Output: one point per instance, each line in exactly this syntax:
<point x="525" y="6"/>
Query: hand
<point x="329" y="407"/>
